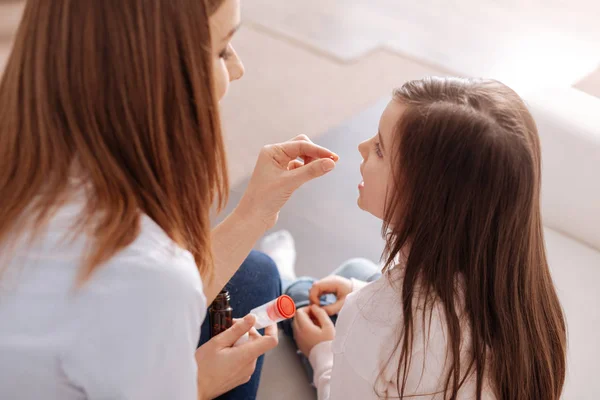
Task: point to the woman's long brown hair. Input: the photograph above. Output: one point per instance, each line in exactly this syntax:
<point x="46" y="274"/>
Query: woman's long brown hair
<point x="119" y="95"/>
<point x="466" y="202"/>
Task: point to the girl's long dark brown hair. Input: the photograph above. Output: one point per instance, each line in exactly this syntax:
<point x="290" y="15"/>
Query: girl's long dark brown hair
<point x="119" y="94"/>
<point x="466" y="202"/>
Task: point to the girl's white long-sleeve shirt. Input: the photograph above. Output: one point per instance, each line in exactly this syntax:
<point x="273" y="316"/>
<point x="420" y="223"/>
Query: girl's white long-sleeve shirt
<point x="355" y="364"/>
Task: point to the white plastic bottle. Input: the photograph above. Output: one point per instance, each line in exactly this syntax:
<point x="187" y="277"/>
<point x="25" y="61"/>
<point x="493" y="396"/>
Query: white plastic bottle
<point x="275" y="311"/>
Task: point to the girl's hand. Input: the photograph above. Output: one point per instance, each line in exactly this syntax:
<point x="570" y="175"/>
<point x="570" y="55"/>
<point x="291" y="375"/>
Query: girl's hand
<point x="278" y="173"/>
<point x="333" y="284"/>
<point x="222" y="367"/>
<point x="312" y="326"/>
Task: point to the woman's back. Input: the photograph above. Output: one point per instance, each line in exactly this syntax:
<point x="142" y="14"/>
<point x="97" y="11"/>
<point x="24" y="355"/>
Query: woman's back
<point x="52" y="347"/>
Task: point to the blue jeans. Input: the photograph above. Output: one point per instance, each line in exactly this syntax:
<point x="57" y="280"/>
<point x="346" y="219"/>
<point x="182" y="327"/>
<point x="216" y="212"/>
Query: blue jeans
<point x="255" y="283"/>
<point x="357" y="268"/>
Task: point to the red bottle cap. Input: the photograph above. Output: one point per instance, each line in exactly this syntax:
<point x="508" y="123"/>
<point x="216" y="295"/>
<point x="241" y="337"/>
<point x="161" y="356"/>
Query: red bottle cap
<point x="285" y="306"/>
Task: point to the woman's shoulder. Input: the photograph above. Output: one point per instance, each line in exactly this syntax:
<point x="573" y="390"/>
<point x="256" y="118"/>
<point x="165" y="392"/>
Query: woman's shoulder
<point x="153" y="243"/>
<point x="153" y="263"/>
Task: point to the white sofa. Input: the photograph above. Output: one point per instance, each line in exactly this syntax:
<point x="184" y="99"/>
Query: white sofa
<point x="569" y="125"/>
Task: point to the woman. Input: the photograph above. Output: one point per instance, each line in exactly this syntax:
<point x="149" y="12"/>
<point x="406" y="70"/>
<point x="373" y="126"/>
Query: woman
<point x="111" y="156"/>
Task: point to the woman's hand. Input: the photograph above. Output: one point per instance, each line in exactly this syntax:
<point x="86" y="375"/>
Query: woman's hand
<point x="222" y="367"/>
<point x="278" y="173"/>
<point x="333" y="284"/>
<point x="312" y="326"/>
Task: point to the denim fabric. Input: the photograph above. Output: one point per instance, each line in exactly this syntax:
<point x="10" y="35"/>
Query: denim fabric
<point x="357" y="268"/>
<point x="255" y="283"/>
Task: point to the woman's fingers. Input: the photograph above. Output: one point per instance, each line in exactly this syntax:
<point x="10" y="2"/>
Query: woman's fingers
<point x="315" y="169"/>
<point x="259" y="346"/>
<point x="253" y="334"/>
<point x="271" y="330"/>
<point x="239" y="328"/>
<point x="278" y="172"/>
<point x="302" y="137"/>
<point x="285" y="152"/>
<point x="306" y="159"/>
<point x="246" y="375"/>
<point x="295" y="164"/>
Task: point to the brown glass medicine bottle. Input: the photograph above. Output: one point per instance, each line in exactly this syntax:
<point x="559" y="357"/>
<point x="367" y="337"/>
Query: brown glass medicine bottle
<point x="220" y="313"/>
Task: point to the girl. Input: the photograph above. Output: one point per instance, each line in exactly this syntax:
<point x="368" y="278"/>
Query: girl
<point x="111" y="156"/>
<point x="466" y="307"/>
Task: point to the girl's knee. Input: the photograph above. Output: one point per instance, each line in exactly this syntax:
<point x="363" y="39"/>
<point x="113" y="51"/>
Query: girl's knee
<point x="357" y="268"/>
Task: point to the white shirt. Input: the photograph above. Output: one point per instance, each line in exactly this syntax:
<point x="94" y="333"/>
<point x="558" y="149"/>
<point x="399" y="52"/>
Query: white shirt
<point x="129" y="333"/>
<point x="367" y="330"/>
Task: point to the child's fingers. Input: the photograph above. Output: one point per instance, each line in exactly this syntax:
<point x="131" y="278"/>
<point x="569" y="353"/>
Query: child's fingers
<point x="302" y="319"/>
<point x="333" y="309"/>
<point x="319" y="288"/>
<point x="314" y="294"/>
<point x="321" y="316"/>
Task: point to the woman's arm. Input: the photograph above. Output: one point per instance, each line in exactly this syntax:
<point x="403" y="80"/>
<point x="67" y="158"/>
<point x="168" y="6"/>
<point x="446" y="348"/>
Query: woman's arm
<point x="277" y="174"/>
<point x="232" y="241"/>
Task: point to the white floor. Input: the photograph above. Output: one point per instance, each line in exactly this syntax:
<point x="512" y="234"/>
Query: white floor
<point x="522" y="42"/>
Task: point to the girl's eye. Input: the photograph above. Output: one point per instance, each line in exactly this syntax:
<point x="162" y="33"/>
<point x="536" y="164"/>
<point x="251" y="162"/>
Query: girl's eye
<point x="225" y="54"/>
<point x="378" y="150"/>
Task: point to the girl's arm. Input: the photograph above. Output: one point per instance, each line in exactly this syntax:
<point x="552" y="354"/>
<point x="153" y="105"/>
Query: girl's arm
<point x="314" y="333"/>
<point x="321" y="359"/>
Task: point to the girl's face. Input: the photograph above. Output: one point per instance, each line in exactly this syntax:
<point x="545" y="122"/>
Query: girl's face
<point x="376" y="165"/>
<point x="227" y="66"/>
